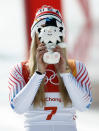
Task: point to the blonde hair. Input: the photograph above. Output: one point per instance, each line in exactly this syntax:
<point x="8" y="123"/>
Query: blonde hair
<point x="39" y="99"/>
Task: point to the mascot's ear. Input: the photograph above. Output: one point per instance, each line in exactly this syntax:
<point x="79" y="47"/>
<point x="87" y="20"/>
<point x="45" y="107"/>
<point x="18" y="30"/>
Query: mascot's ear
<point x="39" y="30"/>
<point x="60" y="29"/>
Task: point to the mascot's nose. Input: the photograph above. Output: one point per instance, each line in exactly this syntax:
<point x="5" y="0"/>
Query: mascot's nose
<point x="49" y="30"/>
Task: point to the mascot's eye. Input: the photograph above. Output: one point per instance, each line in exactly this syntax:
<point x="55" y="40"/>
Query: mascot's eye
<point x="39" y="38"/>
<point x="39" y="30"/>
<point x="57" y="42"/>
<point x="61" y="29"/>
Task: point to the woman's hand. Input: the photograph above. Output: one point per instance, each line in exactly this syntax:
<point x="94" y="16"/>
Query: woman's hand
<point x="41" y="66"/>
<point x="61" y="66"/>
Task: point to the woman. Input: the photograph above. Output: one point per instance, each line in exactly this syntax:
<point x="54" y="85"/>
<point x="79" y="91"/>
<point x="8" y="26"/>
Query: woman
<point x="49" y="94"/>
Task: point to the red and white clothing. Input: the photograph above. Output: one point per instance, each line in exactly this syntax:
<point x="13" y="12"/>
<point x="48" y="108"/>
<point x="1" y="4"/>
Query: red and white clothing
<point x="23" y="90"/>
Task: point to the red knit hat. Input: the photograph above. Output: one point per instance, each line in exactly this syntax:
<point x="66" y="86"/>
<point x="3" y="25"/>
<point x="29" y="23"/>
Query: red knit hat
<point x="44" y="13"/>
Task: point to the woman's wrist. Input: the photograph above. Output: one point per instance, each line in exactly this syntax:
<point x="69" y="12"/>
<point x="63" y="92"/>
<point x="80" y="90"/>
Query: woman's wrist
<point x="40" y="72"/>
<point x="66" y="70"/>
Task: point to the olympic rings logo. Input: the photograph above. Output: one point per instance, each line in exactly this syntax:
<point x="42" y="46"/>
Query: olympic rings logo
<point x="51" y="78"/>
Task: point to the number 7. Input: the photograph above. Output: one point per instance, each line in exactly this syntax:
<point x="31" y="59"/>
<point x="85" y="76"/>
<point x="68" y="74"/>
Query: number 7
<point x="54" y="109"/>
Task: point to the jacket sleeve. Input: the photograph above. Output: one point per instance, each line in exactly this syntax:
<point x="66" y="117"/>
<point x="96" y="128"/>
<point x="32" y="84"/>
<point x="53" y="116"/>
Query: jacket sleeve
<point x="21" y="94"/>
<point x="79" y="87"/>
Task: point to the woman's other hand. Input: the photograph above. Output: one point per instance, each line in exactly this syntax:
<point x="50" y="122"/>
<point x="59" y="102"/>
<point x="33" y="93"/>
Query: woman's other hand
<point x="41" y="65"/>
<point x="61" y="66"/>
